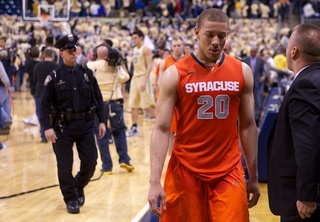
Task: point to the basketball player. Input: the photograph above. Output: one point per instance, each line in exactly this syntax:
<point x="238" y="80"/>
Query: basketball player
<point x="213" y="94"/>
<point x="139" y="95"/>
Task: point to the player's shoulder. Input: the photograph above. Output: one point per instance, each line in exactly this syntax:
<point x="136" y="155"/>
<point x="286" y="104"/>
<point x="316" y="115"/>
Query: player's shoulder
<point x="187" y="62"/>
<point x="189" y="58"/>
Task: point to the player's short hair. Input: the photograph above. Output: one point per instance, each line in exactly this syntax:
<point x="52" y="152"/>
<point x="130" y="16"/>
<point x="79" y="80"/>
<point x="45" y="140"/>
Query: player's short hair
<point x="139" y="33"/>
<point x="212" y="15"/>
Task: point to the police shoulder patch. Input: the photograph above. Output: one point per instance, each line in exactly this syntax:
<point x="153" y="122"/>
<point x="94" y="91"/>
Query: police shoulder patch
<point x="47" y="80"/>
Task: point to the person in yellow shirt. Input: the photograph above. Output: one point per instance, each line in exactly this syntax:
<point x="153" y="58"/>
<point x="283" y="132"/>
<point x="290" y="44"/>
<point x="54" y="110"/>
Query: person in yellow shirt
<point x="109" y="78"/>
<point x="281" y="64"/>
<point x="280" y="59"/>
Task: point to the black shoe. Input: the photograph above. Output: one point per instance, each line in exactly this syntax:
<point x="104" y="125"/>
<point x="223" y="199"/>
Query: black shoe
<point x="73" y="207"/>
<point x="81" y="197"/>
<point x="44" y="140"/>
<point x="7" y="125"/>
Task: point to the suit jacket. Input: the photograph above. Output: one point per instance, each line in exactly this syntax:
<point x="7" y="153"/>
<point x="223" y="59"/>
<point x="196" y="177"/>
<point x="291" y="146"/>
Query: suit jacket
<point x="294" y="145"/>
<point x="258" y="70"/>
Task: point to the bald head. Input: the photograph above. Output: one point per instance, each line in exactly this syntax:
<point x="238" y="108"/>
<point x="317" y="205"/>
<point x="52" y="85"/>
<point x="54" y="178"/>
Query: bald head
<point x="102" y="52"/>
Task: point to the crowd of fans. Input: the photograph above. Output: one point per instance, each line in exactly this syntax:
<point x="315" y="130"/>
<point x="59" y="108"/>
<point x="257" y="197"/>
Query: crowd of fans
<point x="170" y="8"/>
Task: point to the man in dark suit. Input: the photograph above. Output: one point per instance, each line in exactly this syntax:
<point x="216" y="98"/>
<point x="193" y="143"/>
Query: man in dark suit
<point x="294" y="142"/>
<point x="258" y="70"/>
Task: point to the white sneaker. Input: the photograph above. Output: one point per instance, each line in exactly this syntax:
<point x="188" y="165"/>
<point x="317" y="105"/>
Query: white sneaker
<point x="30" y="121"/>
<point x="133" y="132"/>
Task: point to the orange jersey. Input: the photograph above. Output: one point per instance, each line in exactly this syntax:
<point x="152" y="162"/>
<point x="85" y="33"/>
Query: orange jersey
<point x="206" y="140"/>
<point x="169" y="61"/>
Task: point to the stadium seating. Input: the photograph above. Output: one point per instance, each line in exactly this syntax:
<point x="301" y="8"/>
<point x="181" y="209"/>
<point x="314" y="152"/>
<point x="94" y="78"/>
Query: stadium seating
<point x="11" y="7"/>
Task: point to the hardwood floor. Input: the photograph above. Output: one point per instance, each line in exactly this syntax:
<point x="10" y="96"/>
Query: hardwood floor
<point x="28" y="165"/>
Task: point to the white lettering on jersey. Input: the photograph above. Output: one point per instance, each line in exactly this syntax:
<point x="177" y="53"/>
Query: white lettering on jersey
<point x="212" y="86"/>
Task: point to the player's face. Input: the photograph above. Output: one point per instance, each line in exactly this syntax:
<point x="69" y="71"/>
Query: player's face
<point x="212" y="37"/>
<point x="69" y="56"/>
<point x="187" y="50"/>
<point x="137" y="40"/>
<point x="177" y="47"/>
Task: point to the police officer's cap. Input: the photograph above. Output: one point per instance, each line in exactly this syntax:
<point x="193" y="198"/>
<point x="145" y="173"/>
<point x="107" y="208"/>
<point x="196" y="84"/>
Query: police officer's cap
<point x="66" y="42"/>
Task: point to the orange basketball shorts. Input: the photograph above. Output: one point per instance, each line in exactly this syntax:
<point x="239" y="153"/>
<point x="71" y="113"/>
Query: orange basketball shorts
<point x="190" y="199"/>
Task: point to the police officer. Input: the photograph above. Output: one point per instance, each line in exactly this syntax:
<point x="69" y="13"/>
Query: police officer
<point x="70" y="100"/>
<point x="110" y="75"/>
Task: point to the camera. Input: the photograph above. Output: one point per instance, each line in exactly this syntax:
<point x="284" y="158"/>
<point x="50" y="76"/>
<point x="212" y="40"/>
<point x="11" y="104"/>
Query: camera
<point x="114" y="57"/>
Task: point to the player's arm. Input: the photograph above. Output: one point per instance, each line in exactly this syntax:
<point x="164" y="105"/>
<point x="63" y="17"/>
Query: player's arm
<point x="249" y="135"/>
<point x="160" y="136"/>
<point x="149" y="61"/>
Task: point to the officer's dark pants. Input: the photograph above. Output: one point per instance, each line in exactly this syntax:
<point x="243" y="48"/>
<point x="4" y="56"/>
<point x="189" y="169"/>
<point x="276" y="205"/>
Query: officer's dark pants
<point x="80" y="132"/>
<point x="118" y="130"/>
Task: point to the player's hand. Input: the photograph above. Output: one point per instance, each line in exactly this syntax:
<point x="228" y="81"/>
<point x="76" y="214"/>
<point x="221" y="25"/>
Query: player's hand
<point x="156" y="192"/>
<point x="143" y="87"/>
<point x="253" y="192"/>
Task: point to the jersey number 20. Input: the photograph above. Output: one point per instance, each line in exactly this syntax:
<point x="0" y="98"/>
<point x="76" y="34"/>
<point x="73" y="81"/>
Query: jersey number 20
<point x="220" y="103"/>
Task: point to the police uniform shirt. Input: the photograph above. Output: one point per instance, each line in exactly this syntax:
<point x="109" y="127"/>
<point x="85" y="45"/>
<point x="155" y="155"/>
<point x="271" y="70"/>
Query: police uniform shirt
<point x="69" y="88"/>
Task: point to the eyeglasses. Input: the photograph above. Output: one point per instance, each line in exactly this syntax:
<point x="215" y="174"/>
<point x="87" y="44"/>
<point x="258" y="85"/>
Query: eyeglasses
<point x="71" y="50"/>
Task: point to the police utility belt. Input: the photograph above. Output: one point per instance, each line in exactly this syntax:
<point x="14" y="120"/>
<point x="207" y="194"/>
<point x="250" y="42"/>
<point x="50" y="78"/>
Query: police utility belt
<point x="68" y="115"/>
